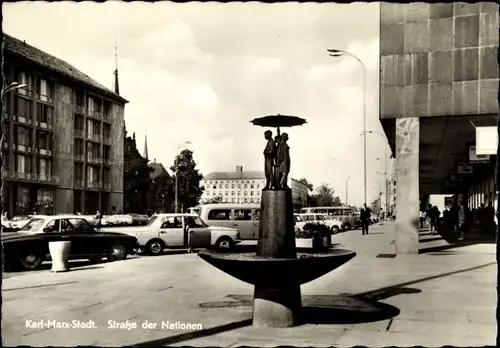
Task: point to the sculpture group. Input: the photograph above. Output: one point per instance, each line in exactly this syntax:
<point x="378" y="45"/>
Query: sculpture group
<point x="277" y="161"/>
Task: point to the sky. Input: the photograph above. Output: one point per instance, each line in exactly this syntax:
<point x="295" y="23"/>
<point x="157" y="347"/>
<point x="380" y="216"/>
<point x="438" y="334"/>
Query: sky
<point x="200" y="72"/>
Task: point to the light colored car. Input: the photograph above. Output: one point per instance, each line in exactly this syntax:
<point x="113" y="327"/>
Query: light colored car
<point x="117" y="219"/>
<point x="179" y="231"/>
<point x="243" y="217"/>
<point x="19" y="221"/>
<point x="333" y="224"/>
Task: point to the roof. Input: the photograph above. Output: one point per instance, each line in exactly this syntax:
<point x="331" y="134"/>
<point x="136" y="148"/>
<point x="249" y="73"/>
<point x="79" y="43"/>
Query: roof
<point x="231" y="205"/>
<point x="235" y="175"/>
<point x="19" y="48"/>
<point x="158" y="170"/>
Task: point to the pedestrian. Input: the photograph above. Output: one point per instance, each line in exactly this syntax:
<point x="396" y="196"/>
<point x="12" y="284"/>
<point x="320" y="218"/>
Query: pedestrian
<point x="461" y="221"/>
<point x="489" y="218"/>
<point x="365" y="216"/>
<point x="432" y="212"/>
<point x="381" y="216"/>
<point x="98" y="219"/>
<point x="422" y="219"/>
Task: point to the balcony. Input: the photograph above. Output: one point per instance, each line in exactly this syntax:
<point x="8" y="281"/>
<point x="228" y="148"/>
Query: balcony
<point x="44" y="98"/>
<point x="48" y="179"/>
<point x="94" y="137"/>
<point x="79" y="183"/>
<point x="41" y="178"/>
<point x="106" y="140"/>
<point x="44" y="125"/>
<point x="95" y="114"/>
<point x="78" y="133"/>
<point x="44" y="152"/>
<point x="79" y="109"/>
<point x="79" y="157"/>
<point x="94" y="160"/>
<point x="94" y="185"/>
<point x="22" y="119"/>
<point x="22" y="148"/>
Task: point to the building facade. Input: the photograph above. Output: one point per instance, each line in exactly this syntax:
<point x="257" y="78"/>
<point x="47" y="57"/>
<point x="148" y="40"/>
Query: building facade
<point x="63" y="137"/>
<point x="245" y="187"/>
<point x="439" y="80"/>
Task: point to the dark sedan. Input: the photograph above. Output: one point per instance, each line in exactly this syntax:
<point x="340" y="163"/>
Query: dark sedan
<point x="30" y="246"/>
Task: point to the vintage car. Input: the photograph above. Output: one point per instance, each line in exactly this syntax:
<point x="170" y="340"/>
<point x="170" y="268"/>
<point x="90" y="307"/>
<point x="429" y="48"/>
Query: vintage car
<point x="179" y="231"/>
<point x="19" y="221"/>
<point x="117" y="219"/>
<point x="334" y="224"/>
<point x="138" y="219"/>
<point x="30" y="246"/>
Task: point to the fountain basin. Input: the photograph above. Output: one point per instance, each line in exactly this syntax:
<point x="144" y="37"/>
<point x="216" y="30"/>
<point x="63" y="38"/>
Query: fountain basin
<point x="272" y="272"/>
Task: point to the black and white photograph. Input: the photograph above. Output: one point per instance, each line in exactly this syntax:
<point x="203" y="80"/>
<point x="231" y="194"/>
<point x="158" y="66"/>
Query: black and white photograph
<point x="212" y="174"/>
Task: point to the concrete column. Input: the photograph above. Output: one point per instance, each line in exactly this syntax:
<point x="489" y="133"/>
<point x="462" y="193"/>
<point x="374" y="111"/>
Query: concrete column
<point x="407" y="181"/>
<point x="82" y="202"/>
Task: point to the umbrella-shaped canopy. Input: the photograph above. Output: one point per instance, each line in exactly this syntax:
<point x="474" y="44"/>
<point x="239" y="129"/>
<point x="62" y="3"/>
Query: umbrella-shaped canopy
<point x="278" y="121"/>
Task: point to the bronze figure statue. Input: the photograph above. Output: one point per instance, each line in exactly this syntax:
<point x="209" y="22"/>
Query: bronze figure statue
<point x="283" y="159"/>
<point x="276" y="176"/>
<point x="269" y="153"/>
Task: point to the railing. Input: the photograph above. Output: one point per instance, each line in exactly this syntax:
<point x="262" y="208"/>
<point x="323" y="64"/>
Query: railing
<point x="44" y="125"/>
<point x="79" y="109"/>
<point x="52" y="179"/>
<point x="49" y="179"/>
<point x="45" y="152"/>
<point x="21" y="119"/>
<point x="94" y="137"/>
<point x="79" y="157"/>
<point x="94" y="114"/>
<point x="44" y="98"/>
<point x="22" y="147"/>
<point x="78" y="133"/>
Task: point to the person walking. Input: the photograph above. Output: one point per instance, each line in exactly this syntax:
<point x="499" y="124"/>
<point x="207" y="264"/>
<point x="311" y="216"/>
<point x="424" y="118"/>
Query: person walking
<point x="433" y="215"/>
<point x="422" y="219"/>
<point x="489" y="218"/>
<point x="98" y="219"/>
<point x="365" y="216"/>
<point x="461" y="221"/>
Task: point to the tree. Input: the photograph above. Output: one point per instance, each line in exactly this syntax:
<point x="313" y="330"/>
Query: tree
<point x="212" y="200"/>
<point x="324" y="196"/>
<point x="137" y="184"/>
<point x="188" y="182"/>
<point x="163" y="187"/>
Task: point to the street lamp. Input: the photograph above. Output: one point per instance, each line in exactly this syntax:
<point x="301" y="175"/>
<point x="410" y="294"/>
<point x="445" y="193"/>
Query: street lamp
<point x="13" y="86"/>
<point x="386" y="170"/>
<point x="346" y="189"/>
<point x="339" y="53"/>
<point x="176" y="177"/>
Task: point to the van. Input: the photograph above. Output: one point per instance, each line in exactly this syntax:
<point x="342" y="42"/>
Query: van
<point x="244" y="217"/>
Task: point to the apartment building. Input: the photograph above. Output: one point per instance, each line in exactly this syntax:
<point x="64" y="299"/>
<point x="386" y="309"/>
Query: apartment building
<point x="62" y="149"/>
<point x="245" y="187"/>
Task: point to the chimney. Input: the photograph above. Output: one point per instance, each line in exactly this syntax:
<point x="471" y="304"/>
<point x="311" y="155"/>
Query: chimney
<point x="239" y="169"/>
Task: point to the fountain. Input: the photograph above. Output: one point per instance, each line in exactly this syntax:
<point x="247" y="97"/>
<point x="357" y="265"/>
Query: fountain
<point x="277" y="270"/>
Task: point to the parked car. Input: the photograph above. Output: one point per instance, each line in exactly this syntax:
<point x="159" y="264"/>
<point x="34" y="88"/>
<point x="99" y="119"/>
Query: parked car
<point x="30" y="246"/>
<point x="117" y="219"/>
<point x="333" y="224"/>
<point x="19" y="221"/>
<point x="243" y="217"/>
<point x="179" y="231"/>
<point x="138" y="219"/>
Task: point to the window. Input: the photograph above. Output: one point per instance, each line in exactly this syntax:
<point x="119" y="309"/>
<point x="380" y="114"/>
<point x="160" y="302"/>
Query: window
<point x="21" y="164"/>
<point x="23" y="136"/>
<point x="79" y="125"/>
<point x="251" y="186"/>
<point x="238" y="193"/>
<point x="219" y="214"/>
<point x="106" y="175"/>
<point x="232" y="193"/>
<point x="22" y="107"/>
<point x="80" y="225"/>
<point x="239" y="186"/>
<point x="245" y="200"/>
<point x="251" y="193"/>
<point x="257" y="214"/>
<point x="66" y="226"/>
<point x="227" y="186"/>
<point x="172" y="222"/>
<point x="42" y="166"/>
<point x="232" y="186"/>
<point x="107" y="108"/>
<point x="106" y="151"/>
<point x="78" y="171"/>
<point x="220" y="186"/>
<point x="106" y="130"/>
<point x="90" y="127"/>
<point x="42" y="140"/>
<point x="194" y="222"/>
<point x="32" y="225"/>
<point x="214" y="187"/>
<point x="257" y="185"/>
<point x="52" y="226"/>
<point x="78" y="147"/>
<point x="23" y="78"/>
<point x="91" y="105"/>
<point x="246" y="186"/>
<point x="44" y="90"/>
<point x="243" y="214"/>
<point x="80" y="98"/>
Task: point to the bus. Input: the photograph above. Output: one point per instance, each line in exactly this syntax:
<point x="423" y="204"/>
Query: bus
<point x="344" y="214"/>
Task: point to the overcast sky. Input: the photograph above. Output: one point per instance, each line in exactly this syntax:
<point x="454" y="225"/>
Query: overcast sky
<point x="200" y="72"/>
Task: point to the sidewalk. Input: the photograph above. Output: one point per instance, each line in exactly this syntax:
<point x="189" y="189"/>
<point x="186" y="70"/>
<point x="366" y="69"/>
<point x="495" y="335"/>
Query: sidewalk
<point x="433" y="299"/>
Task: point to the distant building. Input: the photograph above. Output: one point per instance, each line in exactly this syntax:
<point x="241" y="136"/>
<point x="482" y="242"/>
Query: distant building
<point x="159" y="169"/>
<point x="63" y="144"/>
<point x="245" y="187"/>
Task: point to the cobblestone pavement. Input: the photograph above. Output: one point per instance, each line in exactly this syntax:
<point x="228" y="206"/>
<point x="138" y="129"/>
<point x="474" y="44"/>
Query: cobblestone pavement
<point x="433" y="299"/>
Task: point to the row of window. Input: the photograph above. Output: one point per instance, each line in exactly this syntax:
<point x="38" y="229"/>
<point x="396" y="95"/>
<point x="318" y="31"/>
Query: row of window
<point x="93" y="104"/>
<point x="23" y="108"/>
<point x="240" y="200"/>
<point x="93" y="150"/>
<point x="233" y="186"/>
<point x="234" y="181"/>
<point x="22" y="136"/>
<point x="233" y="193"/>
<point x="93" y="126"/>
<point x="92" y="173"/>
<point x="239" y="214"/>
<point x="43" y="88"/>
<point x="24" y="164"/>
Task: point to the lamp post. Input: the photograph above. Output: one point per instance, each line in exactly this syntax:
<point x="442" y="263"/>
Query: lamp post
<point x="386" y="169"/>
<point x="176" y="177"/>
<point x="339" y="53"/>
<point x="13" y="86"/>
<point x="346" y="189"/>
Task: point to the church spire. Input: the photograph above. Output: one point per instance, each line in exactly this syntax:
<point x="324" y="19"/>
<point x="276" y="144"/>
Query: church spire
<point x="116" y="87"/>
<point x="145" y="155"/>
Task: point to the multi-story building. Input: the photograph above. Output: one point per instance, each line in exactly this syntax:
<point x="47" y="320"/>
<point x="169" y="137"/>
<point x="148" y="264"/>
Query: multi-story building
<point x="63" y="136"/>
<point x="245" y="187"/>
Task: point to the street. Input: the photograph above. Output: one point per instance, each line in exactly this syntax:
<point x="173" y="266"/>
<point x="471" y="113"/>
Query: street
<point x="431" y="299"/>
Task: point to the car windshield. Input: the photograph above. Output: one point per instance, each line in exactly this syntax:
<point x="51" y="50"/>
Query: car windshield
<point x="19" y="218"/>
<point x="32" y="225"/>
<point x="153" y="219"/>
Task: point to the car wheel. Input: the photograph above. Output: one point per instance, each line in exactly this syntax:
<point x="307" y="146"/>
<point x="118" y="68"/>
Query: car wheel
<point x="155" y="247"/>
<point x="117" y="252"/>
<point x="224" y="243"/>
<point x="30" y="261"/>
<point x="335" y="229"/>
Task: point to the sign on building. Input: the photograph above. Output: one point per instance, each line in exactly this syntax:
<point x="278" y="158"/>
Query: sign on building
<point x="464" y="168"/>
<point x="475" y="158"/>
<point x="486" y="140"/>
